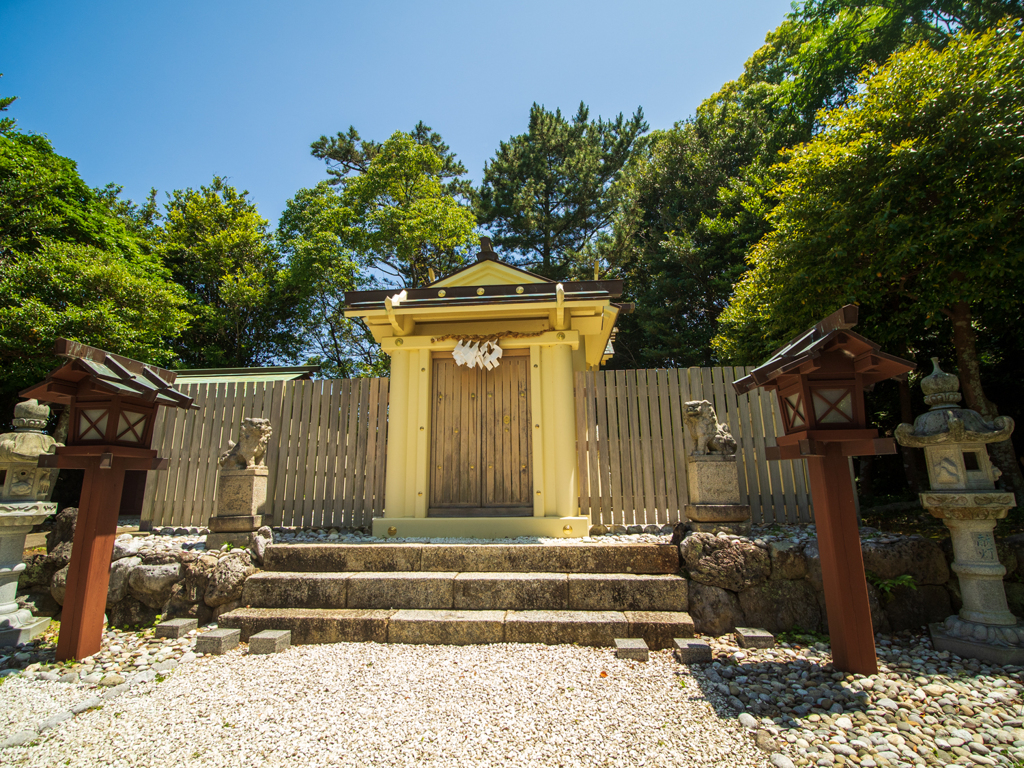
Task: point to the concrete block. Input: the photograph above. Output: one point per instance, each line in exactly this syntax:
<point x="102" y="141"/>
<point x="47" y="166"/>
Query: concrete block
<point x="313" y="625"/>
<point x="175" y="628"/>
<point x="447" y="627"/>
<point x="554" y="558"/>
<point x="631" y="648"/>
<point x="401" y="590"/>
<point x="749" y="637"/>
<point x="597" y="628"/>
<point x="242" y="492"/>
<point x="690" y="650"/>
<point x="511" y="591"/>
<point x="325" y="558"/>
<point x="235" y="523"/>
<point x="296" y="590"/>
<point x="627" y="592"/>
<point x="659" y="628"/>
<point x="217" y="641"/>
<point x="270" y="641"/>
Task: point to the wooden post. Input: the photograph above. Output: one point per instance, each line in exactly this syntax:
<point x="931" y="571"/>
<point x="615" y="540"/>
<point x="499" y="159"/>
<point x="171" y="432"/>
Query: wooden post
<point x="89" y="572"/>
<point x="842" y="564"/>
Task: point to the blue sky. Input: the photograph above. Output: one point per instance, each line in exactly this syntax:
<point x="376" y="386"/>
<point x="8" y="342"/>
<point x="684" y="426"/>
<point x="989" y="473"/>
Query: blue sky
<point x="168" y="94"/>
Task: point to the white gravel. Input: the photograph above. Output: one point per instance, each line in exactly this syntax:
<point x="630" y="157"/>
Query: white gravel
<point x="361" y="704"/>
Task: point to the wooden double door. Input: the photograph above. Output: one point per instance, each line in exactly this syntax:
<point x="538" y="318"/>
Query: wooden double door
<point x="481" y="459"/>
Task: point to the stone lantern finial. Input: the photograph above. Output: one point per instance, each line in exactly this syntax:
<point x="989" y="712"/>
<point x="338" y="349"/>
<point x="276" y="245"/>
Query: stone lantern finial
<point x="941" y="389"/>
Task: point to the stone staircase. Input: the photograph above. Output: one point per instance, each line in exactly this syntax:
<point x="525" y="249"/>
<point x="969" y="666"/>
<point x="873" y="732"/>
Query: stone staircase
<point x="460" y="594"/>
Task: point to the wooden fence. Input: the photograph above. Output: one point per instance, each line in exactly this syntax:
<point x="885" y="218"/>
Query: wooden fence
<point x="632" y="454"/>
<point x="326" y="458"/>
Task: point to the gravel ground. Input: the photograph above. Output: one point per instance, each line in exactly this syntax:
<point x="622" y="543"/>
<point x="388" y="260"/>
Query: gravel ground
<point x="374" y="705"/>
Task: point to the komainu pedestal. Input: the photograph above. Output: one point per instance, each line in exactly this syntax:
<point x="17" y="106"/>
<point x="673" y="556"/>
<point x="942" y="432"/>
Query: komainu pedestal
<point x="241" y="487"/>
<point x="712" y="476"/>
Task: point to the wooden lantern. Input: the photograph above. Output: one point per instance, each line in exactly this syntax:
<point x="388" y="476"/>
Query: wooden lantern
<point x="113" y="402"/>
<point x="820" y="378"/>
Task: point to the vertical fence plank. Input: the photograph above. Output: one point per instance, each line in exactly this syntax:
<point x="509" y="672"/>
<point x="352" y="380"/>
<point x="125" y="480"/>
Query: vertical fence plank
<point x="582" y="441"/>
<point x="283" y="511"/>
<point x="602" y="442"/>
<point x="373" y="434"/>
<point x="671" y="514"/>
<point x="362" y="438"/>
<point x="351" y="438"/>
<point x="619" y="498"/>
<point x="657" y="447"/>
<point x="312" y="449"/>
<point x="382" y="439"/>
<point x="679" y="393"/>
<point x="300" y="430"/>
<point x="593" y="447"/>
<point x="272" y="410"/>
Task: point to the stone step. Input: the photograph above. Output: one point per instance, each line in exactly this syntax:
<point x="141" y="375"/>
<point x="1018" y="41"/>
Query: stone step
<point x="479" y="558"/>
<point x="446" y="590"/>
<point x="458" y="627"/>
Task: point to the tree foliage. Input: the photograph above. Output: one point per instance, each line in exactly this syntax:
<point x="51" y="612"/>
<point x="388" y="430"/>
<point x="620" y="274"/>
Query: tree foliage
<point x="547" y="193"/>
<point x="70" y="266"/>
<point x="218" y="248"/>
<point x="6" y="123"/>
<point x="908" y="202"/>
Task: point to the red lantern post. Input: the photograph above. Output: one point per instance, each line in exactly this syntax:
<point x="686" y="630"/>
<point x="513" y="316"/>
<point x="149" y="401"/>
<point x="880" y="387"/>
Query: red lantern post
<point x="113" y="402"/>
<point x="820" y="377"/>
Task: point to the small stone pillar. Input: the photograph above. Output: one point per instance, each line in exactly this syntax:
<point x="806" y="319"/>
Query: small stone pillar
<point x="712" y="477"/>
<point x="963" y="495"/>
<point x="241" y="487"/>
<point x="24" y="502"/>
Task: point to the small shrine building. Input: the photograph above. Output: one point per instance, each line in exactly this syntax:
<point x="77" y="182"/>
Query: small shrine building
<point x="486" y="448"/>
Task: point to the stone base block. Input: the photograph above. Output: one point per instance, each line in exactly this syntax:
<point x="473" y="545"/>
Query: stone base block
<point x="748" y="637"/>
<point x="717" y="513"/>
<point x="627" y="592"/>
<point x="313" y="625"/>
<point x="712" y="479"/>
<point x="218" y="540"/>
<point x="242" y="491"/>
<point x="402" y="590"/>
<point x="1004" y="655"/>
<point x="235" y="523"/>
<point x="736" y="529"/>
<point x="631" y="648"/>
<point x="175" y="628"/>
<point x="218" y="641"/>
<point x="270" y="641"/>
<point x="447" y="627"/>
<point x="689" y="650"/>
<point x="25" y="633"/>
<point x="554" y="627"/>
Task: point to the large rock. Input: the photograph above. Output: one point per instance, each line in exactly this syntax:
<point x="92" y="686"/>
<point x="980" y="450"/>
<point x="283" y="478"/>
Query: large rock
<point x="120" y="570"/>
<point x="788" y="560"/>
<point x="919" y="557"/>
<point x="197" y="578"/>
<point x="262" y="539"/>
<point x="131" y="613"/>
<point x="914" y="608"/>
<point x="59" y="584"/>
<point x="228" y="578"/>
<point x="1015" y="598"/>
<point x="180" y="606"/>
<point x="126" y="545"/>
<point x="1015" y="543"/>
<point x="36" y="573"/>
<point x="59" y="556"/>
<point x="724" y="563"/>
<point x="40" y="602"/>
<point x="781" y="605"/>
<point x="168" y="557"/>
<point x="714" y="610"/>
<point x="151" y="584"/>
<point x="63" y="529"/>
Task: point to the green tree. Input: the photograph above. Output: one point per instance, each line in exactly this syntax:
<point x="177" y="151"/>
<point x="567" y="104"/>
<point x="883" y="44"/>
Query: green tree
<point x="548" y="193"/>
<point x="405" y="220"/>
<point x="312" y="234"/>
<point x="69" y="266"/>
<point x="219" y="250"/>
<point x="6" y="123"/>
<point x="347" y="154"/>
<point x="909" y="203"/>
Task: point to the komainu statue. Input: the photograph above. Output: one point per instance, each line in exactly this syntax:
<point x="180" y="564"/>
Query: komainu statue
<point x="708" y="435"/>
<point x="251" y="449"/>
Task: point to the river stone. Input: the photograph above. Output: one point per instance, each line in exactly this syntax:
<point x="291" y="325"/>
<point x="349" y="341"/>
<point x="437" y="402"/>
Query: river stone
<point x="788" y="561"/>
<point x="719" y="562"/>
<point x="228" y="578"/>
<point x="117" y="587"/>
<point x="714" y="610"/>
<point x="919" y="557"/>
<point x="58" y="584"/>
<point x="780" y="606"/>
<point x="151" y="584"/>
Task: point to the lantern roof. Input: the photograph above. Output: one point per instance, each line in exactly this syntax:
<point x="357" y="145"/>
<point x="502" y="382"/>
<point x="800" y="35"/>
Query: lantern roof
<point x="92" y="372"/>
<point x="802" y="355"/>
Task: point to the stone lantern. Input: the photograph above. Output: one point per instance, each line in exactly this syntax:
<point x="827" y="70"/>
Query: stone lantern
<point x="963" y="495"/>
<point x="24" y="502"/>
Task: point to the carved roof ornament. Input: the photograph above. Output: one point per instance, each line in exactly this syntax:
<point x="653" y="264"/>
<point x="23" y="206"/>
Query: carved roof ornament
<point x="28" y="441"/>
<point x="945" y="422"/>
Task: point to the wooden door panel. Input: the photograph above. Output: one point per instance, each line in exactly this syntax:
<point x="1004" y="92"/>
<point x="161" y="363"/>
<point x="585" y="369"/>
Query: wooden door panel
<point x="508" y="481"/>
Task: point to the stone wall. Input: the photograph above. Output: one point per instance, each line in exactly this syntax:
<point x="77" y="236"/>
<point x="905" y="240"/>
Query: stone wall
<point x="775" y="582"/>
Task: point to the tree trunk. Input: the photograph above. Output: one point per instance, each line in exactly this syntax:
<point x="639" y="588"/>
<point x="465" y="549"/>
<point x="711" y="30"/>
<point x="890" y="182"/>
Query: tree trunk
<point x="965" y="342"/>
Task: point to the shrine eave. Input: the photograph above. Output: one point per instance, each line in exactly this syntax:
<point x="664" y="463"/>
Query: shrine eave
<point x="482" y="295"/>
